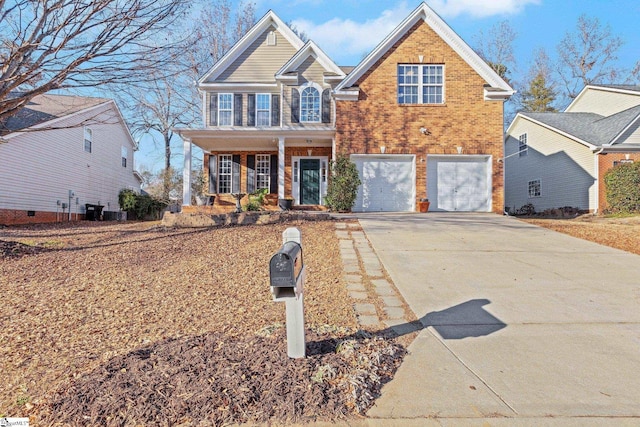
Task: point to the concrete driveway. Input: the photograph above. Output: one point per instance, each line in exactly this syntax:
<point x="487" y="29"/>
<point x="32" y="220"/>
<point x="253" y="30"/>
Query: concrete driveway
<point x="522" y="325"/>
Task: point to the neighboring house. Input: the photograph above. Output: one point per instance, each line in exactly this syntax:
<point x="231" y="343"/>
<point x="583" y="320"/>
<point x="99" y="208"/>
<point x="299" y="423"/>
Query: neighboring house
<point x="421" y="116"/>
<point x="60" y="153"/>
<point x="555" y="160"/>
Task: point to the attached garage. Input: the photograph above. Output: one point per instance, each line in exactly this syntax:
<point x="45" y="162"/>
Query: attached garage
<point x="388" y="183"/>
<point x="459" y="183"/>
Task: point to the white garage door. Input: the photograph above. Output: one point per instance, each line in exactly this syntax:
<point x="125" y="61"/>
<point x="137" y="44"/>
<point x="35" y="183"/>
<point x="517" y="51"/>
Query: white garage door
<point x="388" y="183"/>
<point x="459" y="183"/>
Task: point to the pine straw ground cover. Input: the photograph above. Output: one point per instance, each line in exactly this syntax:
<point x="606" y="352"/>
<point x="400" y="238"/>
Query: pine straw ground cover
<point x="136" y="324"/>
<point x="620" y="233"/>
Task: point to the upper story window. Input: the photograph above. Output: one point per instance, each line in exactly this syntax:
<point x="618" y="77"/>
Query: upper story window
<point x="523" y="148"/>
<point x="88" y="139"/>
<point x="420" y="84"/>
<point x="310" y="105"/>
<point x="225" y="109"/>
<point x="263" y="109"/>
<point x="124" y="154"/>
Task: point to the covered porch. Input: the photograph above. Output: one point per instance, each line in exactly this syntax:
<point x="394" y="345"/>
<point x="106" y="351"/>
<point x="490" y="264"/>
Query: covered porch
<point x="293" y="164"/>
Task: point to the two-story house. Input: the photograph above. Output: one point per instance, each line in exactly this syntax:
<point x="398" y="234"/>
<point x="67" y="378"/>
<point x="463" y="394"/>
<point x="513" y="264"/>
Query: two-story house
<point x="269" y="117"/>
<point x="555" y="160"/>
<point x="60" y="153"/>
<point x="421" y="116"/>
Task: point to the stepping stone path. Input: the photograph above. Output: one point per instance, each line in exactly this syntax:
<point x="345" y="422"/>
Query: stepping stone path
<point x="367" y="283"/>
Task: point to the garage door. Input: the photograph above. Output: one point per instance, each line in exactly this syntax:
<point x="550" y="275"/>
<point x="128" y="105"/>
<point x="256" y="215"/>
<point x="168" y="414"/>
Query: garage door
<point x="388" y="183"/>
<point x="459" y="183"/>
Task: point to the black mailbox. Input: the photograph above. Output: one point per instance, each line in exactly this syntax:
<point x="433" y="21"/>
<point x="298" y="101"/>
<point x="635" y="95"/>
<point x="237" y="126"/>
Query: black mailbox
<point x="286" y="266"/>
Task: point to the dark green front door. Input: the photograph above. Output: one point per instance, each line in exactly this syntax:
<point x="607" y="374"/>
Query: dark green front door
<point x="309" y="182"/>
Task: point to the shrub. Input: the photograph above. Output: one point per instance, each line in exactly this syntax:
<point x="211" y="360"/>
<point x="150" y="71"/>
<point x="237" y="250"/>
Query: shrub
<point x="343" y="185"/>
<point x="256" y="200"/>
<point x="623" y="188"/>
<point x="140" y="205"/>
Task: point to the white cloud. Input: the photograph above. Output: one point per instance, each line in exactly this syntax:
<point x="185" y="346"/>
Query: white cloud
<point x="479" y="8"/>
<point x="344" y="38"/>
<point x="346" y="41"/>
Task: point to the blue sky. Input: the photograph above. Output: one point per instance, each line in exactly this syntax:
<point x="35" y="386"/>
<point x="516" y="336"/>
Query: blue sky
<point x="348" y="29"/>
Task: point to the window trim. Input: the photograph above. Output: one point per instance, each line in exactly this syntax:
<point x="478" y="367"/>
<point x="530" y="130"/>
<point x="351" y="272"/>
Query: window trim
<point x="263" y="171"/>
<point x="532" y="184"/>
<point x="124" y="153"/>
<point x="229" y="110"/>
<point x="220" y="174"/>
<point x="420" y="84"/>
<point x="258" y="110"/>
<point x="318" y="112"/>
<point x="88" y="141"/>
<point x="523" y="142"/>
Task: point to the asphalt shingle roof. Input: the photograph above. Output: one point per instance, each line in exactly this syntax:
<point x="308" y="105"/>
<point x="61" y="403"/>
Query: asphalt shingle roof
<point x="43" y="108"/>
<point x="590" y="127"/>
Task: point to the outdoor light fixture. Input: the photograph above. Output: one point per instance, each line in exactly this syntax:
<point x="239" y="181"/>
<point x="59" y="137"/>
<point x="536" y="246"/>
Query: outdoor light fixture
<point x="459" y="150"/>
<point x="383" y="149"/>
<point x="424" y="131"/>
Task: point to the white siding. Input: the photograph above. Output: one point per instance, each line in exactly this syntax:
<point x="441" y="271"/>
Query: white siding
<point x="631" y="135"/>
<point x="566" y="169"/>
<point x="39" y="168"/>
<point x="603" y="102"/>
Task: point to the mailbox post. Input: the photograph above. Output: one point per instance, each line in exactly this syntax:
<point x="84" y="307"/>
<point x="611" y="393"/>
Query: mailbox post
<point x="286" y="275"/>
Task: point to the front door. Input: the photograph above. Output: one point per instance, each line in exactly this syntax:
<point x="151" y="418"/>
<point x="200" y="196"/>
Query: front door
<point x="309" y="181"/>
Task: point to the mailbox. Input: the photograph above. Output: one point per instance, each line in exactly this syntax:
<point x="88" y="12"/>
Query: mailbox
<point x="286" y="269"/>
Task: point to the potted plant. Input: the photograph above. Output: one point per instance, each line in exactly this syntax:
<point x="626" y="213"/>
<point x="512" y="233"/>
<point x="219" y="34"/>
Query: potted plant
<point x="285" y="204"/>
<point x="423" y="205"/>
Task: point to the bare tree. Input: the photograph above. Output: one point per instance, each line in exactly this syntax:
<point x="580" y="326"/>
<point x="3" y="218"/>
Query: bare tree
<point x="635" y="74"/>
<point x="588" y="56"/>
<point x="496" y="48"/>
<point x="169" y="99"/>
<point x="54" y="44"/>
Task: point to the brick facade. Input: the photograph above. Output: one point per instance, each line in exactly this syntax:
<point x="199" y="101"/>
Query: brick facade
<point x="605" y="163"/>
<point x="465" y="119"/>
<point x="227" y="199"/>
<point x="20" y="217"/>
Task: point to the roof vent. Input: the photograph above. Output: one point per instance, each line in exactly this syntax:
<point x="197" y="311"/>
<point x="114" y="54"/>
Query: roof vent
<point x="271" y="38"/>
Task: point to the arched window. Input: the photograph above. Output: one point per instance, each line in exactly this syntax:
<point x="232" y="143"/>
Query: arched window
<point x="310" y="105"/>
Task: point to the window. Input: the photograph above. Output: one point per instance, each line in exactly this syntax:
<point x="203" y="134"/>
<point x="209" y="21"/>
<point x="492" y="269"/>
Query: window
<point x="420" y="84"/>
<point x="310" y="105"/>
<point x="523" y="148"/>
<point x="225" y="173"/>
<point x="263" y="171"/>
<point x="124" y="153"/>
<point x="263" y="110"/>
<point x="535" y="188"/>
<point x="225" y="109"/>
<point x="88" y="138"/>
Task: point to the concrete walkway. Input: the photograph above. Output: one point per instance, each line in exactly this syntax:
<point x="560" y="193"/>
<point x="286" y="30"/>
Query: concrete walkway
<point x="522" y="325"/>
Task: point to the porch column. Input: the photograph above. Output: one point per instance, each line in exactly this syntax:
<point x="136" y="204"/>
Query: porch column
<point x="281" y="167"/>
<point x="186" y="173"/>
<point x="333" y="150"/>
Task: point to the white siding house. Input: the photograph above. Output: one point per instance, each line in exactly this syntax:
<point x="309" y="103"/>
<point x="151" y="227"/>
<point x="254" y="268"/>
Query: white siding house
<point x="82" y="153"/>
<point x="555" y="160"/>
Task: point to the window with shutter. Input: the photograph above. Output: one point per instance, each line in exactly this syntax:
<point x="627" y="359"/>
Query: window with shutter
<point x="251" y="173"/>
<point x="251" y="109"/>
<point x="295" y="106"/>
<point x="213" y="175"/>
<point x="275" y="110"/>
<point x="213" y="109"/>
<point x="326" y="106"/>
<point x="237" y="109"/>
<point x="235" y="182"/>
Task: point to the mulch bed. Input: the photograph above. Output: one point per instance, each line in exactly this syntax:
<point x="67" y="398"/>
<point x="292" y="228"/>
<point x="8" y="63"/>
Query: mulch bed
<point x="216" y="380"/>
<point x="138" y="324"/>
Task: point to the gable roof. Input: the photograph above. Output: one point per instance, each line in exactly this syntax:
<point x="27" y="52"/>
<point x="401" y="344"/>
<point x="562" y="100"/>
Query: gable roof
<point x="310" y="49"/>
<point x="269" y="19"/>
<point x="590" y="129"/>
<point x="498" y="88"/>
<point x="47" y="107"/>
<point x="628" y="89"/>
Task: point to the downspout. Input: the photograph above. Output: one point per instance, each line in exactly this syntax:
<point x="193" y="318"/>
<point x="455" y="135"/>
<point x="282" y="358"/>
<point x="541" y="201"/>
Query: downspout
<point x="597" y="173"/>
